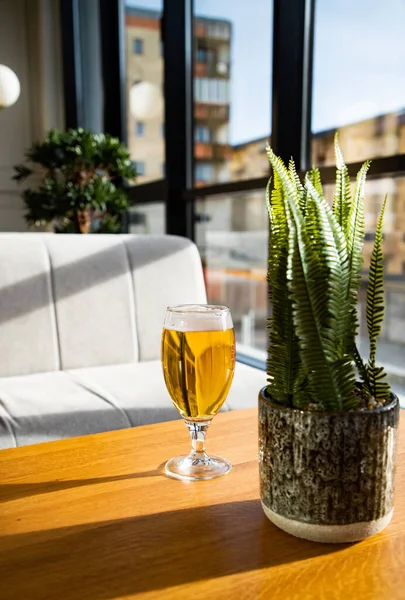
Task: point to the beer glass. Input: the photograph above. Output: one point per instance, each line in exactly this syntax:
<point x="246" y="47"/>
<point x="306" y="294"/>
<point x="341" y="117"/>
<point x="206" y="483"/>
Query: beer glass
<point x="198" y="358"/>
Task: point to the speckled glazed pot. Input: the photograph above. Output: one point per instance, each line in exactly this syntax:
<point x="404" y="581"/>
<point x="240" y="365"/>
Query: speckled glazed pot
<point x="327" y="477"/>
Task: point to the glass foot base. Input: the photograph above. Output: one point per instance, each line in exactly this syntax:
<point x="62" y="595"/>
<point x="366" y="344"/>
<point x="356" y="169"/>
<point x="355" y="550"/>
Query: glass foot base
<point x="194" y="468"/>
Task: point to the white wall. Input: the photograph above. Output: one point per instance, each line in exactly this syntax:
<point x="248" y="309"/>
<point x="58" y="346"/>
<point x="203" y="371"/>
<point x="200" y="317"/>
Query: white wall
<point x="29" y="44"/>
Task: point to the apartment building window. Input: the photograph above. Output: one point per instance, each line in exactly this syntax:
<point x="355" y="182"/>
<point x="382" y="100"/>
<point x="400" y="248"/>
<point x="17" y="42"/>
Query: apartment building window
<point x="137" y="46"/>
<point x="201" y="55"/>
<point x="204" y="55"/>
<point x="140" y="128"/>
<point x="203" y="172"/>
<point x="211" y="90"/>
<point x="203" y="134"/>
<point x="140" y="168"/>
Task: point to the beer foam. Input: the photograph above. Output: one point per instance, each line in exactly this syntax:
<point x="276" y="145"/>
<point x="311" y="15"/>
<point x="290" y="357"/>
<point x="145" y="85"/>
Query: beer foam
<point x="195" y="318"/>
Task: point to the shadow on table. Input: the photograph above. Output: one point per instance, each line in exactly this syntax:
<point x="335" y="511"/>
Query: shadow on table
<point x="115" y="559"/>
<point x="15" y="491"/>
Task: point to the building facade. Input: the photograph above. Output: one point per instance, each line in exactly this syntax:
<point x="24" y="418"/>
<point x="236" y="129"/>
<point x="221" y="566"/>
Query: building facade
<point x="212" y="40"/>
<point x="383" y="135"/>
<point x="145" y="64"/>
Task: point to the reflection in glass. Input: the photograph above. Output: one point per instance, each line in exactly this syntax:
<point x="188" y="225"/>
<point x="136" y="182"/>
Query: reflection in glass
<point x="145" y="87"/>
<point x="232" y="236"/>
<point x="232" y="81"/>
<point x="359" y="79"/>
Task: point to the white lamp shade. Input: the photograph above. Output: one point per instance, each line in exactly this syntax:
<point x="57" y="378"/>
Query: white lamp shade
<point x="9" y="87"/>
<point x="145" y="101"/>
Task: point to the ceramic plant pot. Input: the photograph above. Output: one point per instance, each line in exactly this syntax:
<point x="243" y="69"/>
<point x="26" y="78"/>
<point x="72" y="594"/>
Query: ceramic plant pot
<point x="327" y="477"/>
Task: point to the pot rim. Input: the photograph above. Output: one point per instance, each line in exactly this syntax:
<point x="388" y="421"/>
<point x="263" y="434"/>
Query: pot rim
<point x="393" y="404"/>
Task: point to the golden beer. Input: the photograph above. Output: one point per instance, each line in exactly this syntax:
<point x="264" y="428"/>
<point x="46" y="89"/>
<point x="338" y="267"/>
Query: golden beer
<point x="198" y="368"/>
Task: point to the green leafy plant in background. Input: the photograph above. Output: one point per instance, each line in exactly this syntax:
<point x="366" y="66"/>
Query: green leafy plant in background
<point x="78" y="176"/>
<point x="314" y="274"/>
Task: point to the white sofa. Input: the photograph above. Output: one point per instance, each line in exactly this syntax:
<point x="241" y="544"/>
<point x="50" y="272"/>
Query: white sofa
<point x="80" y="327"/>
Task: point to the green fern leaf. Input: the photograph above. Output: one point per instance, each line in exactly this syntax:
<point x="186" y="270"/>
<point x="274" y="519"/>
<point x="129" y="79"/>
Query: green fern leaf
<point x="354" y="232"/>
<point x="315" y="312"/>
<point x="361" y="369"/>
<point x="299" y="188"/>
<point x="375" y="311"/>
<point x="342" y="200"/>
<point x="283" y="362"/>
<point x="343" y="306"/>
<point x="315" y="179"/>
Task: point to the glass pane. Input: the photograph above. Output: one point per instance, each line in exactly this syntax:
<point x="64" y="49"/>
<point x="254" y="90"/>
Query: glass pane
<point x="359" y="79"/>
<point x="391" y="343"/>
<point x="232" y="236"/>
<point x="145" y="88"/>
<point x="147" y="218"/>
<point x="232" y="82"/>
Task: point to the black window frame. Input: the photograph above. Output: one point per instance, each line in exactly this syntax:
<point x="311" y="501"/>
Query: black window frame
<point x="291" y="92"/>
<point x="292" y="56"/>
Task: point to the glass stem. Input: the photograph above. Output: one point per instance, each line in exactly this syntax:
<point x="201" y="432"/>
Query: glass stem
<point x="198" y="431"/>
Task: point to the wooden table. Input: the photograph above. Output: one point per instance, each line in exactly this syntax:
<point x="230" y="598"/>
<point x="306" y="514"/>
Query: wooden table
<point x="94" y="518"/>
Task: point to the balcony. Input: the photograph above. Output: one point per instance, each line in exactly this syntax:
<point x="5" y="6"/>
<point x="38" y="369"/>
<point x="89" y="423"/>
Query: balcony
<point x="212" y="29"/>
<point x="212" y="70"/>
<point x="211" y="112"/>
<point x="212" y="152"/>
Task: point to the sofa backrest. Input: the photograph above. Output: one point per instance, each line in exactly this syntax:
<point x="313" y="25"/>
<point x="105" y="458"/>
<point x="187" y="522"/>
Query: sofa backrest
<point x="70" y="301"/>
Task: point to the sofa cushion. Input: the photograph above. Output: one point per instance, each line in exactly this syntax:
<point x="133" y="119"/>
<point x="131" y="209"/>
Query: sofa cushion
<point x="49" y="406"/>
<point x="93" y="300"/>
<point x="52" y="406"/>
<point x="166" y="270"/>
<point x="28" y="340"/>
<point x="71" y="301"/>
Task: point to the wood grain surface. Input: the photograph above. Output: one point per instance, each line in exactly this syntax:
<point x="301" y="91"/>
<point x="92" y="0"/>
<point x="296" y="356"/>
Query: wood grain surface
<point x="94" y="518"/>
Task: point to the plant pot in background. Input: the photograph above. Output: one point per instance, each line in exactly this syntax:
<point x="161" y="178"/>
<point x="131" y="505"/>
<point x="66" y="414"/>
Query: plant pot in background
<point x="327" y="476"/>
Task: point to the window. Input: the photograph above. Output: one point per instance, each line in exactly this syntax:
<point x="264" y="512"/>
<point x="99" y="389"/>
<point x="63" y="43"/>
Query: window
<point x="163" y="169"/>
<point x="162" y="130"/>
<point x="232" y="85"/>
<point x="145" y="99"/>
<point x="140" y="168"/>
<point x="359" y="85"/>
<point x="205" y="55"/>
<point x="204" y="172"/>
<point x="147" y="218"/>
<point x="140" y="128"/>
<point x="138" y="46"/>
<point x="211" y="90"/>
<point x="202" y="134"/>
<point x="232" y="236"/>
<point x="202" y="55"/>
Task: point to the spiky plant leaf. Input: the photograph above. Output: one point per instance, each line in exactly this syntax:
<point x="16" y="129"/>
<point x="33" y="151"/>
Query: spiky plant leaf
<point x="361" y="369"/>
<point x="300" y="190"/>
<point x="315" y="178"/>
<point x="283" y="361"/>
<point x="315" y="314"/>
<point x="344" y="303"/>
<point x="354" y="231"/>
<point x="375" y="312"/>
<point x="339" y="303"/>
<point x="342" y="200"/>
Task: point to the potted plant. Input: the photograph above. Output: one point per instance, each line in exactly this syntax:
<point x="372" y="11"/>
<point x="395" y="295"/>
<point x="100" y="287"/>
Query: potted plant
<point x="327" y="420"/>
<point x="76" y="174"/>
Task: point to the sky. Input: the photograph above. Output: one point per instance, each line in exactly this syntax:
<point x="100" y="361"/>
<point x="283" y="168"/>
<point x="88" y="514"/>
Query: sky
<point x="359" y="61"/>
